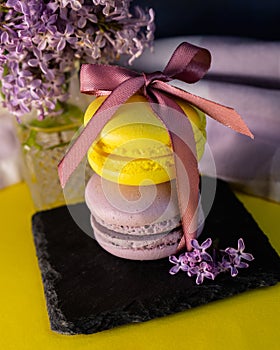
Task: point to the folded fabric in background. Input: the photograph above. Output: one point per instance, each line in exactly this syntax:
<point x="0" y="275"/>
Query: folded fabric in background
<point x="10" y="163"/>
<point x="233" y="58"/>
<point x="245" y="74"/>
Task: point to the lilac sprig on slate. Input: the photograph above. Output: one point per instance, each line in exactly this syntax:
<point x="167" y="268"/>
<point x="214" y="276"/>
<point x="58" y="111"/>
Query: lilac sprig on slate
<point x="201" y="264"/>
<point x="45" y="41"/>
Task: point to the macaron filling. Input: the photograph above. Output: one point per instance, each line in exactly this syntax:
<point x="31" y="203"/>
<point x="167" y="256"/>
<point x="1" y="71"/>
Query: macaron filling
<point x="145" y="230"/>
<point x="124" y="241"/>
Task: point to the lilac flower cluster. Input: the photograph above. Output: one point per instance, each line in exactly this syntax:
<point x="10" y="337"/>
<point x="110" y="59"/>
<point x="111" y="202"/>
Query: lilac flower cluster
<point x="42" y="42"/>
<point x="201" y="264"/>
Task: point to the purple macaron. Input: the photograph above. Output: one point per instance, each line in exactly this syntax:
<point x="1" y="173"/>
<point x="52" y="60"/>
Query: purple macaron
<point x="135" y="222"/>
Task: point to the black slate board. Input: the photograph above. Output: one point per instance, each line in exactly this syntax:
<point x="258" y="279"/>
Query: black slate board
<point x="88" y="290"/>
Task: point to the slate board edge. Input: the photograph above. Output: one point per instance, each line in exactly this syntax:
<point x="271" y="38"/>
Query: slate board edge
<point x="117" y="318"/>
<point x="49" y="275"/>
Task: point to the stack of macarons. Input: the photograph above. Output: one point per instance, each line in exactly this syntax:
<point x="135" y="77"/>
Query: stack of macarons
<point x="132" y="194"/>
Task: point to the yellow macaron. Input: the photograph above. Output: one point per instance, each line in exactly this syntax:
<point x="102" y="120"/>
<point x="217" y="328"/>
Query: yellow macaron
<point x="134" y="148"/>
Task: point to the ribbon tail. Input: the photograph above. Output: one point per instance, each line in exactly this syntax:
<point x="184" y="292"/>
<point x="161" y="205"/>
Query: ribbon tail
<point x="188" y="187"/>
<point x="223" y="114"/>
<point x="79" y="148"/>
<point x="187" y="176"/>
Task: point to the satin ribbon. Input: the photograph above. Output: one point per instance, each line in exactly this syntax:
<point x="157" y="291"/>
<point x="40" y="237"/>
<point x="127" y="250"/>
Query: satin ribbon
<point x="188" y="63"/>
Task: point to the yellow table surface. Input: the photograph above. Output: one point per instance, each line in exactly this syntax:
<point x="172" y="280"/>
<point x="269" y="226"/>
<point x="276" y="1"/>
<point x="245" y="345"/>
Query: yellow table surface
<point x="246" y="321"/>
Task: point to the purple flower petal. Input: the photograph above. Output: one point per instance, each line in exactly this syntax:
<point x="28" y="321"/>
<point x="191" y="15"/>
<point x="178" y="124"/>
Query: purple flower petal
<point x="42" y="45"/>
<point x="34" y="95"/>
<point x="72" y="41"/>
<point x="233" y="271"/>
<point x="36" y="83"/>
<point x="247" y="256"/>
<point x="206" y="244"/>
<point x="4" y="38"/>
<point x="209" y="275"/>
<point x="241" y="245"/>
<point x="194" y="244"/>
<point x="242" y="265"/>
<point x="82" y="22"/>
<point x="184" y="268"/>
<point x="61" y="44"/>
<point x="174" y="269"/>
<point x="44" y="67"/>
<point x="33" y="62"/>
<point x="206" y="257"/>
<point x="11" y="3"/>
<point x="199" y="278"/>
<point x="173" y="259"/>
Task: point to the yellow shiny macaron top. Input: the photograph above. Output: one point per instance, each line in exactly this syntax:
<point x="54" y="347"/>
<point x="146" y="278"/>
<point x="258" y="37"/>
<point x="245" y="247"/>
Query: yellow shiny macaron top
<point x="134" y="145"/>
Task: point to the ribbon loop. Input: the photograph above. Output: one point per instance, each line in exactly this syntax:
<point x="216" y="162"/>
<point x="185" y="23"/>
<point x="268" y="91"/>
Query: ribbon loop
<point x="151" y="77"/>
<point x="188" y="63"/>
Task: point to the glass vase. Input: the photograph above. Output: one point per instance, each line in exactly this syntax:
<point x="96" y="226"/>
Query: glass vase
<point x="43" y="145"/>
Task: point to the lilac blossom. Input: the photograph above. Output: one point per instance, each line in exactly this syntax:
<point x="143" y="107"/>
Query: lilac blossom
<point x="176" y="262"/>
<point x="180" y="264"/>
<point x="201" y="264"/>
<point x="201" y="249"/>
<point x="203" y="270"/>
<point x="238" y="254"/>
<point x="47" y="40"/>
<point x="232" y="265"/>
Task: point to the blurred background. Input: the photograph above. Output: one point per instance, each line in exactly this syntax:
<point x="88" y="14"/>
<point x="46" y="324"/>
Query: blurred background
<point x="243" y="18"/>
<point x="232" y="22"/>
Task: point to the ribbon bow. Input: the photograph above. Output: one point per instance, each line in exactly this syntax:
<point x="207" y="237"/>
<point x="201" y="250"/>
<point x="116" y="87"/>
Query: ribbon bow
<point x="188" y="63"/>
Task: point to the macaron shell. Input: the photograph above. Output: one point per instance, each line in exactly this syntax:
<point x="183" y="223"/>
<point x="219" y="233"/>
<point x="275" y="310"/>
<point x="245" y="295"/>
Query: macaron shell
<point x="135" y="121"/>
<point x="132" y="206"/>
<point x="152" y="249"/>
<point x="134" y="147"/>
